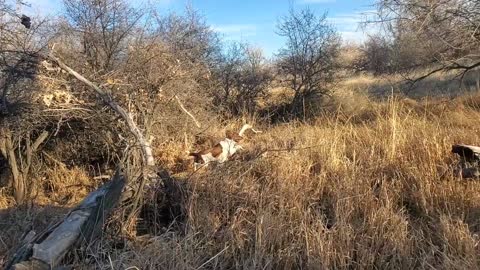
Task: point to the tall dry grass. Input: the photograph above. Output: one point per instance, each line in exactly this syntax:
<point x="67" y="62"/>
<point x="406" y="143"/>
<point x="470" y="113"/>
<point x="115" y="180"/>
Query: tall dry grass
<point x="446" y="84"/>
<point x="371" y="191"/>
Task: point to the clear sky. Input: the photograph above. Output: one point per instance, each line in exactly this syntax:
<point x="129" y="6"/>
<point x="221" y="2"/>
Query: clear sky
<point x="252" y="21"/>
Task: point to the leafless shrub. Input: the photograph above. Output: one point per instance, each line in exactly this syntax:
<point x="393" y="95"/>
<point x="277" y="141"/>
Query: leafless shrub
<point x="378" y="55"/>
<point x="446" y="29"/>
<point x="383" y="54"/>
<point x="22" y="122"/>
<point x="242" y="76"/>
<point x="171" y="60"/>
<point x="144" y="69"/>
<point x="350" y="59"/>
<point x="189" y="36"/>
<point x="19" y="46"/>
<point x="103" y="27"/>
<point x="307" y="63"/>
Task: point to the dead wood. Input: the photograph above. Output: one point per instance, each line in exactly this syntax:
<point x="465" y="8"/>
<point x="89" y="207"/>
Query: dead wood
<point x="148" y="173"/>
<point x="19" y="163"/>
<point x="187" y="112"/>
<point x="78" y="229"/>
<point x="145" y="145"/>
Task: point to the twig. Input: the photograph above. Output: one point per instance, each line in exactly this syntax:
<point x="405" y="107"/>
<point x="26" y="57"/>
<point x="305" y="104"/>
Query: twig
<point x="80" y="185"/>
<point x="202" y="131"/>
<point x="187" y="112"/>
<point x="292" y="149"/>
<point x="59" y="124"/>
<point x="39" y="140"/>
<point x="54" y="160"/>
<point x="211" y="259"/>
<point x="100" y="177"/>
<point x="68" y="109"/>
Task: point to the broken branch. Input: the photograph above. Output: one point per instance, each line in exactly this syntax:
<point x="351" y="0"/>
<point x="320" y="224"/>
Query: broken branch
<point x="187" y="112"/>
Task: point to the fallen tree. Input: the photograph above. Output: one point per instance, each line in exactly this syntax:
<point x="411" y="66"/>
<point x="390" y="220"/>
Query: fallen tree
<point x="148" y="170"/>
<point x="79" y="228"/>
<point x="145" y="145"/>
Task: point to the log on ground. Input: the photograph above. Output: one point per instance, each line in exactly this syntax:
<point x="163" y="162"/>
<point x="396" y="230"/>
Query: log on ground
<point x="79" y="227"/>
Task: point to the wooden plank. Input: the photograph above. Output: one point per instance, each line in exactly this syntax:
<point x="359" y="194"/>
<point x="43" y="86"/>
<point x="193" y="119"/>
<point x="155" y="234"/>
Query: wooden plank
<point x="80" y="226"/>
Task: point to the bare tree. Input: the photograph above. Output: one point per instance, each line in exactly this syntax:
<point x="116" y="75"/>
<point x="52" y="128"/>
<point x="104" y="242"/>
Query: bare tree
<point x="10" y="16"/>
<point x="229" y="68"/>
<point x="307" y="62"/>
<point x="448" y="29"/>
<point x="104" y="27"/>
<point x="189" y="36"/>
<point x="378" y="55"/>
<point x="20" y="40"/>
<point x="254" y="82"/>
<point x="243" y="76"/>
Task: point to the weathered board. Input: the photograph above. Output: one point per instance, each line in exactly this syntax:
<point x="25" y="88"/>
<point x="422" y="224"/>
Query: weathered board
<point x="80" y="226"/>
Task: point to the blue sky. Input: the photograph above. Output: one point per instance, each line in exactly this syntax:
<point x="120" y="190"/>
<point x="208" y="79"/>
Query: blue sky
<point x="252" y="21"/>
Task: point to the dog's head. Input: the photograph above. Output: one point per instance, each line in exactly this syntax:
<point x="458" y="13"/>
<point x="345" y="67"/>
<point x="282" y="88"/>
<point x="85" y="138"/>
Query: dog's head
<point x="233" y="136"/>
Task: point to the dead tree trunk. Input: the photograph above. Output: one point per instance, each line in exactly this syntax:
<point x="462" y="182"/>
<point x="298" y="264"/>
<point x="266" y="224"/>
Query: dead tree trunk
<point x="19" y="163"/>
<point x="79" y="227"/>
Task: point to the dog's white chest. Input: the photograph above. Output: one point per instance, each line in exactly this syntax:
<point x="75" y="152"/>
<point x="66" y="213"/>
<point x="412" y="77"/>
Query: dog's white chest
<point x="228" y="149"/>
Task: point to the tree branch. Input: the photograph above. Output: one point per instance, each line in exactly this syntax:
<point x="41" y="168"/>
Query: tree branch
<point x="187" y="112"/>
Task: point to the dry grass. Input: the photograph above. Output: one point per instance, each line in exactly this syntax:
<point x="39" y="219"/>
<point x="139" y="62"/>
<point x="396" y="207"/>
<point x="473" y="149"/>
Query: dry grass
<point x="374" y="189"/>
<point x="438" y="84"/>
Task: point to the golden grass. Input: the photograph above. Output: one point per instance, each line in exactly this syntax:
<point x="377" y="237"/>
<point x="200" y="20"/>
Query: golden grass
<point x="438" y="84"/>
<point x="53" y="195"/>
<point x="344" y="192"/>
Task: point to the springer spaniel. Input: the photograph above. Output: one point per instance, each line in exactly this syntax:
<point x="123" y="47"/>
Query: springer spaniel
<point x="223" y="150"/>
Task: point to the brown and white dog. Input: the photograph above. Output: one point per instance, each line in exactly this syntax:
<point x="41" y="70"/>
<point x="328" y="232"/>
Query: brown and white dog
<point x="223" y="150"/>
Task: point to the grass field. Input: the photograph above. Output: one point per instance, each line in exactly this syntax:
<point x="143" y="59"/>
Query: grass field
<point x="369" y="186"/>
